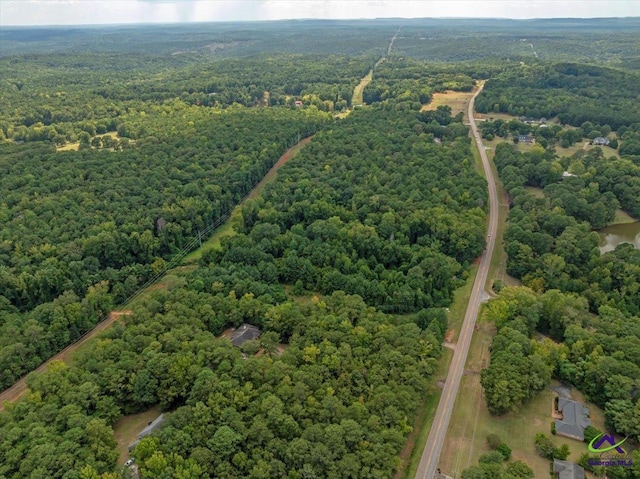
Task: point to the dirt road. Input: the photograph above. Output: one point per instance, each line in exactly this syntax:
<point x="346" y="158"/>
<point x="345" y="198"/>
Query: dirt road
<point x="20" y="388"/>
<point x="433" y="447"/>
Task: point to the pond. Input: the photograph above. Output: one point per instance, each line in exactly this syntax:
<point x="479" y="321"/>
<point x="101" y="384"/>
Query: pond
<point x="613" y="235"/>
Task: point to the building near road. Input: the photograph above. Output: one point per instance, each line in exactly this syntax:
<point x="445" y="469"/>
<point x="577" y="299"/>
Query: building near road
<point x="575" y="418"/>
<point x="567" y="470"/>
<point x="152" y="426"/>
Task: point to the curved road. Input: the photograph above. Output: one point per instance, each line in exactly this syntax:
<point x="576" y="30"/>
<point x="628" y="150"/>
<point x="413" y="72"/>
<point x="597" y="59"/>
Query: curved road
<point x="433" y="446"/>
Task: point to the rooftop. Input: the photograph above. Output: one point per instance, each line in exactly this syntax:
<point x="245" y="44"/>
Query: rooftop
<point x="246" y="332"/>
<point x="575" y="417"/>
<point x="567" y="470"/>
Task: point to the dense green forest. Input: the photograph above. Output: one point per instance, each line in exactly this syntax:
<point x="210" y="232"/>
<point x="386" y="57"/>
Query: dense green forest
<point x="361" y="211"/>
<point x="71" y="97"/>
<point x="575" y="93"/>
<point x="350" y="213"/>
<point x="81" y="232"/>
<point x="339" y="399"/>
<point x="409" y="84"/>
<point x="346" y="261"/>
<point x="611" y="41"/>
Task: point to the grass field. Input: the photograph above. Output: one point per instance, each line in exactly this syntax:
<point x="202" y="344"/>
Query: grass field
<point x="69" y="147"/>
<point x="457" y="100"/>
<point x="622" y="217"/>
<point x="537" y="192"/>
<point x="127" y="429"/>
<point x="357" y="98"/>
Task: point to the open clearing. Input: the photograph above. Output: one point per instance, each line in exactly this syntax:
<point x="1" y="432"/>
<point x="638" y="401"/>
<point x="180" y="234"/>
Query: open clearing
<point x="357" y="98"/>
<point x="75" y="146"/>
<point x="127" y="429"/>
<point x="537" y="192"/>
<point x="457" y="100"/>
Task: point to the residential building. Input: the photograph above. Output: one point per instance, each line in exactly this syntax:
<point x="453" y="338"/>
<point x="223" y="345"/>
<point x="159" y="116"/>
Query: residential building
<point x="575" y="418"/>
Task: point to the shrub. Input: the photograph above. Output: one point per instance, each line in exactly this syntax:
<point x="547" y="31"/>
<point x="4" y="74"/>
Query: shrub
<point x="505" y="451"/>
<point x="590" y="432"/>
<point x="493" y="457"/>
<point x="493" y="440"/>
<point x="553" y="427"/>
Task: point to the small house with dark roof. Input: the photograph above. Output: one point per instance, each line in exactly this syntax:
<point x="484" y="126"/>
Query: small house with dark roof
<point x="151" y="427"/>
<point x="600" y="140"/>
<point x="246" y="332"/>
<point x="575" y="418"/>
<point x="567" y="470"/>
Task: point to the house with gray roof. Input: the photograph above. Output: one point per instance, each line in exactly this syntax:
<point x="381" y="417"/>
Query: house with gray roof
<point x="246" y="332"/>
<point x="575" y="417"/>
<point x="152" y="426"/>
<point x="567" y="470"/>
<point x="600" y="140"/>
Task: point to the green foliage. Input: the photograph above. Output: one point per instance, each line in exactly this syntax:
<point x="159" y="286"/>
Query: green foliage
<point x="358" y="210"/>
<point x="590" y="432"/>
<point x="344" y="388"/>
<point x="87" y="232"/>
<point x="505" y="451"/>
<point x="544" y="446"/>
<point x="406" y="84"/>
<point x="565" y="90"/>
<point x="490" y="466"/>
<point x="517" y="369"/>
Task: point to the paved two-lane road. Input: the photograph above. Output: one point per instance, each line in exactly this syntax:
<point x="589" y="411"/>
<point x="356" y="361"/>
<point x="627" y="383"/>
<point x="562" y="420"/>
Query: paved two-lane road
<point x="433" y="446"/>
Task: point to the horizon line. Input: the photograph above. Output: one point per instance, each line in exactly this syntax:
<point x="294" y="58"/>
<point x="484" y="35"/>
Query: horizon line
<point x="360" y="19"/>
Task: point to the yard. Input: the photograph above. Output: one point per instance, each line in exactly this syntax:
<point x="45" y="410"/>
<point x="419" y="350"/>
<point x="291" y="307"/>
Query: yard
<point x="128" y="428"/>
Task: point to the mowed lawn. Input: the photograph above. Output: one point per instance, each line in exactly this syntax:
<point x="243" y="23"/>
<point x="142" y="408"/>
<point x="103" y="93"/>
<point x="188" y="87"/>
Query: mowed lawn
<point x="471" y="421"/>
<point x="127" y="430"/>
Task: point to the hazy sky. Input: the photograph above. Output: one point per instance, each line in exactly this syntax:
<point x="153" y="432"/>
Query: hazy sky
<point x="73" y="12"/>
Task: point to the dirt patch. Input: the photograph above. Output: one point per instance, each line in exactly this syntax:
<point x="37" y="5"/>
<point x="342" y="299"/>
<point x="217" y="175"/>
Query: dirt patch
<point x="448" y="338"/>
<point x="290" y="153"/>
